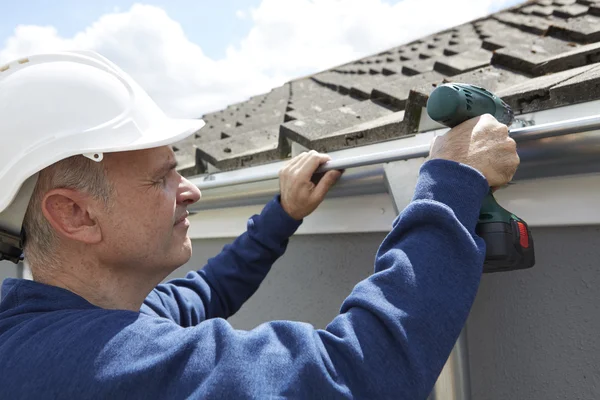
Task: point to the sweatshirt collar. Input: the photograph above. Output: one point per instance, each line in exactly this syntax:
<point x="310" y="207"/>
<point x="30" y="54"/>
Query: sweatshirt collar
<point x="37" y="296"/>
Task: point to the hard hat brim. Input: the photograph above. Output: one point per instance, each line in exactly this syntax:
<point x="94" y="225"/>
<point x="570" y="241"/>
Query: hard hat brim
<point x="171" y="131"/>
<point x="164" y="132"/>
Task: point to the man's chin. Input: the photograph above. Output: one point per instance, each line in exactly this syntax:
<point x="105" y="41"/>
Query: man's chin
<point x="184" y="254"/>
<point x="178" y="256"/>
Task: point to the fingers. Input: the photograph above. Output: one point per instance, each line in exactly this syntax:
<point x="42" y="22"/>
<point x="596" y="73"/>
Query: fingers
<point x="328" y="180"/>
<point x="513" y="163"/>
<point x="301" y="190"/>
<point x="294" y="162"/>
<point x="432" y="146"/>
<point x="307" y="166"/>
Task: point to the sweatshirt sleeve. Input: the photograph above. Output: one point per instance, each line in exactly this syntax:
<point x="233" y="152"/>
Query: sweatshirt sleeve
<point x="228" y="280"/>
<point x="391" y="338"/>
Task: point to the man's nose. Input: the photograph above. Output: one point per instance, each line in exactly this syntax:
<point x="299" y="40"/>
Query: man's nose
<point x="188" y="192"/>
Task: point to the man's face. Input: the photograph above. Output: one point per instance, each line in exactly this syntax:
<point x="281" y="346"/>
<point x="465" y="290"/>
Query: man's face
<point x="146" y="228"/>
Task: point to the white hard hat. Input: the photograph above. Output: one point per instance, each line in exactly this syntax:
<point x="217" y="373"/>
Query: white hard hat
<point x="57" y="105"/>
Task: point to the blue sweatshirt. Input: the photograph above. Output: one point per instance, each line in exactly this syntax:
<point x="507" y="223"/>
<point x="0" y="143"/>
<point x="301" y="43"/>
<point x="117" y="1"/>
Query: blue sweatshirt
<point x="393" y="334"/>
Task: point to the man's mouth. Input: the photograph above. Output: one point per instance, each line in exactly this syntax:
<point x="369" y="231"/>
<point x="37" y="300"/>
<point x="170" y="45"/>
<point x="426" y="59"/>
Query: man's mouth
<point x="182" y="218"/>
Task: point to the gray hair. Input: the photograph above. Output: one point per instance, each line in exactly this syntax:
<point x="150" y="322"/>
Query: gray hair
<point x="78" y="173"/>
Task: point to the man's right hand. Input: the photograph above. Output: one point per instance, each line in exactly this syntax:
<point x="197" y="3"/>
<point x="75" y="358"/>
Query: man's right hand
<point x="482" y="143"/>
<point x="300" y="196"/>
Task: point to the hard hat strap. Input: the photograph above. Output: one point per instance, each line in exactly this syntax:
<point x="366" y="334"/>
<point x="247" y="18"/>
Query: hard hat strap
<point x="12" y="237"/>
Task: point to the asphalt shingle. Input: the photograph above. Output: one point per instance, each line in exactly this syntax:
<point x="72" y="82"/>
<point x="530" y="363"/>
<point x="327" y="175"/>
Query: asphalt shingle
<point x="250" y="148"/>
<point x="188" y="161"/>
<point x="534" y="94"/>
<point x="527" y="23"/>
<point x="538" y="10"/>
<point x="396" y="93"/>
<point x="308" y="98"/>
<point x="325" y="125"/>
<point x="577" y="57"/>
<point x="464" y="62"/>
<point x="569" y="91"/>
<point x="526" y="56"/>
<point x="506" y="36"/>
<point x="571" y="11"/>
<point x="492" y="78"/>
<point x="564" y="2"/>
<point x="584" y="29"/>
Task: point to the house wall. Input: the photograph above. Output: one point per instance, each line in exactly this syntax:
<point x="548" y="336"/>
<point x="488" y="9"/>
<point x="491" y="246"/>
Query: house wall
<point x="7" y="270"/>
<point x="532" y="334"/>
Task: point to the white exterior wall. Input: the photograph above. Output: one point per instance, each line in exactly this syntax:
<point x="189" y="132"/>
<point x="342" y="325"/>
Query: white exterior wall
<point x="7" y="270"/>
<point x="532" y="334"/>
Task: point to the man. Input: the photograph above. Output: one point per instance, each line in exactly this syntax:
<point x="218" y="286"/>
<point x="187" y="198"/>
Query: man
<point x="100" y="236"/>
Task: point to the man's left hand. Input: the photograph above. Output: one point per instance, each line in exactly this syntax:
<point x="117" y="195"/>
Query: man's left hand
<point x="300" y="196"/>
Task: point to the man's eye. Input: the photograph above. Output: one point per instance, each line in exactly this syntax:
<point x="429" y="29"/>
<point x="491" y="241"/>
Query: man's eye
<point x="161" y="182"/>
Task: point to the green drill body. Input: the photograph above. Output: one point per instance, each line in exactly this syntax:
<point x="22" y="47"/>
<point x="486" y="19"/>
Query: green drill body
<point x="509" y="244"/>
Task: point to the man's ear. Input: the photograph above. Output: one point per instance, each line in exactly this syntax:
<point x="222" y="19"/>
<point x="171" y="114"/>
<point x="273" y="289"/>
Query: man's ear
<point x="71" y="214"/>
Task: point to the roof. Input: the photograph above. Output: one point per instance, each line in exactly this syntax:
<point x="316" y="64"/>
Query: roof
<point x="536" y="56"/>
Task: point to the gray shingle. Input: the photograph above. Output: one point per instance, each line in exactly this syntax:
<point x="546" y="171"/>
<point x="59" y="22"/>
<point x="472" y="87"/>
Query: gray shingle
<point x="543" y="11"/>
<point x="490" y="77"/>
<point x="491" y="27"/>
<point x="508" y="37"/>
<point x="250" y="148"/>
<point x="528" y="23"/>
<point x="326" y="124"/>
<point x="419" y="67"/>
<point x="259" y="120"/>
<point x="363" y="90"/>
<point x="464" y="62"/>
<point x="584" y="29"/>
<point x="534" y="94"/>
<point x="309" y="98"/>
<point x="396" y="93"/>
<point x="526" y="10"/>
<point x="539" y="10"/>
<point x="210" y="133"/>
<point x="188" y="162"/>
<point x="525" y="57"/>
<point x="458" y="46"/>
<point x="391" y="69"/>
<point x="338" y="82"/>
<point x="391" y="126"/>
<point x="571" y="11"/>
<point x="259" y="111"/>
<point x="570" y="91"/>
<point x="577" y="57"/>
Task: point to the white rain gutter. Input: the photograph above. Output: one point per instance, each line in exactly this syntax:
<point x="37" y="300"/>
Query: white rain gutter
<point x="559" y="155"/>
<point x="543" y="131"/>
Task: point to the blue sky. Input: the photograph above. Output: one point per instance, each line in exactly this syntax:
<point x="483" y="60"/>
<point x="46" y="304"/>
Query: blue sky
<point x="210" y="26"/>
<point x="200" y="56"/>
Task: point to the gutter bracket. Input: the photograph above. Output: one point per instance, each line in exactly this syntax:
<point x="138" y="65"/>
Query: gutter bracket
<point x="400" y="178"/>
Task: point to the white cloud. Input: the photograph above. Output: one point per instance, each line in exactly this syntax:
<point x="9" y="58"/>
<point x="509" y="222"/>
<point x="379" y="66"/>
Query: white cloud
<point x="289" y="39"/>
<point x="241" y="14"/>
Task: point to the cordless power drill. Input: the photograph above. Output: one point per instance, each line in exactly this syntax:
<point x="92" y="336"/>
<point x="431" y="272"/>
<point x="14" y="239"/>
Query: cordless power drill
<point x="509" y="244"/>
